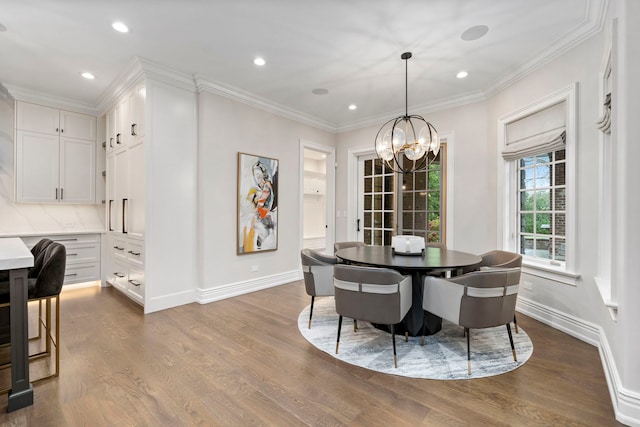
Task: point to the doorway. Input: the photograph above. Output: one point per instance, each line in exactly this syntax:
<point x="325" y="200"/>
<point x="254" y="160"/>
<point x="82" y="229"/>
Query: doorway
<point x="318" y="201"/>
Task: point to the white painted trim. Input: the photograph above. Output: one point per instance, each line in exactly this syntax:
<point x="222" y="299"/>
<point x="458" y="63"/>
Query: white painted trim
<point x="352" y="187"/>
<point x="595" y="14"/>
<point x="330" y="195"/>
<point x="507" y="200"/>
<point x="626" y="403"/>
<point x="203" y="84"/>
<point x="424" y="109"/>
<point x="169" y="301"/>
<point x="578" y="328"/>
<point x="28" y="95"/>
<point x="205" y="296"/>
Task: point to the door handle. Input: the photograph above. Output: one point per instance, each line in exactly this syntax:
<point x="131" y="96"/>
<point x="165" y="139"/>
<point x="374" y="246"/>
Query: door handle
<point x="110" y="215"/>
<point x="125" y="202"/>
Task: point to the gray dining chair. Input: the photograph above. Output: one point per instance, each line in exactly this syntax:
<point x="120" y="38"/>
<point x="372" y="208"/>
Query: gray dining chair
<point x="317" y="270"/>
<point x="499" y="259"/>
<point x="377" y="295"/>
<point x="344" y="245"/>
<point x="480" y="299"/>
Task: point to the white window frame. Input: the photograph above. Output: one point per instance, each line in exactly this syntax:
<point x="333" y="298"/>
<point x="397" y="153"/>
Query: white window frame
<point x="565" y="272"/>
<point x="606" y="193"/>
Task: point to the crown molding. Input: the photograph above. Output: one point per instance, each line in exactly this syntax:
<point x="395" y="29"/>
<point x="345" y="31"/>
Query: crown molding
<point x="27" y="95"/>
<point x="439" y="105"/>
<point x="136" y="70"/>
<point x="593" y="23"/>
<point x="205" y="85"/>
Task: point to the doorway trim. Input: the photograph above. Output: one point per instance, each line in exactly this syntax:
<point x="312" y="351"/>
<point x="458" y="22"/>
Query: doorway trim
<point x="330" y="194"/>
<point x="352" y="188"/>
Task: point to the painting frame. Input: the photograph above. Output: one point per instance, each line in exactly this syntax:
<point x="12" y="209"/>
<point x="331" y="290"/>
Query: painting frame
<point x="257" y="204"/>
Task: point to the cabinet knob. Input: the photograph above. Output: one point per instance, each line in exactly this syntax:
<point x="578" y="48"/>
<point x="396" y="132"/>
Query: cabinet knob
<point x="57" y="130"/>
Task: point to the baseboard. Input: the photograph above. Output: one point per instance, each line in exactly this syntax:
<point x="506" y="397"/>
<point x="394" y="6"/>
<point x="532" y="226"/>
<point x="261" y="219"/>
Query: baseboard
<point x="205" y="296"/>
<point x="169" y="301"/>
<point x="578" y="328"/>
<point x="626" y="403"/>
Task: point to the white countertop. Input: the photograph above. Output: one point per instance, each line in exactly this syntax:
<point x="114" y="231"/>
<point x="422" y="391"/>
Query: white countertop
<point x="52" y="233"/>
<point x="14" y="254"/>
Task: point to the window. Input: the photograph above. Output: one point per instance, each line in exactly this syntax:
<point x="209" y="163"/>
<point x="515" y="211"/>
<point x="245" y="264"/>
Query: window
<point x="540" y="186"/>
<point x="542" y="208"/>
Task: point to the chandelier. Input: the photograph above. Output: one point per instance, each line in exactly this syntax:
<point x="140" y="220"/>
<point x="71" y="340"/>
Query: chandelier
<point x="404" y="143"/>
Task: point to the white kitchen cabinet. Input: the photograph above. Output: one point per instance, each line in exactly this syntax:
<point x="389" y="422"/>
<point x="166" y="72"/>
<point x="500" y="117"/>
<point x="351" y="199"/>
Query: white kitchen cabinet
<point x="83" y="255"/>
<point x="55" y="155"/>
<point x="126" y="195"/>
<point x="158" y="169"/>
<point x="51" y="121"/>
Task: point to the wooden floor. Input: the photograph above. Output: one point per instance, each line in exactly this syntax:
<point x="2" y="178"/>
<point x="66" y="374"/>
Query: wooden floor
<point x="242" y="362"/>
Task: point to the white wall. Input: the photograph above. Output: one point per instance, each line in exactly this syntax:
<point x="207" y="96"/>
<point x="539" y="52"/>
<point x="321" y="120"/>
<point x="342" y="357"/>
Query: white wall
<point x="582" y="64"/>
<point x="226" y="128"/>
<point x="474" y="174"/>
<point x="623" y="334"/>
<point x="20" y="219"/>
<point x="171" y="198"/>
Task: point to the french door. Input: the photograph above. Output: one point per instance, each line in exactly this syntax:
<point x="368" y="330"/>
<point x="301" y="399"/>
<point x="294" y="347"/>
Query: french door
<point x="390" y="203"/>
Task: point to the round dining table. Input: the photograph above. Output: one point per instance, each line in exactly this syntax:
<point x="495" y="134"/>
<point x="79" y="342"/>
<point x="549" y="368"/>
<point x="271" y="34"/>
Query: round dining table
<point x="434" y="260"/>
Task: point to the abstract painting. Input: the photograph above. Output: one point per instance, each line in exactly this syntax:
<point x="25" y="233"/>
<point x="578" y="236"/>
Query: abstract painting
<point x="257" y="204"/>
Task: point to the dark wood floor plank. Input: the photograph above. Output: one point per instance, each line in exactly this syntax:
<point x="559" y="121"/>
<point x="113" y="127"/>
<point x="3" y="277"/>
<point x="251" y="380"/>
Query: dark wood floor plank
<point x="242" y="361"/>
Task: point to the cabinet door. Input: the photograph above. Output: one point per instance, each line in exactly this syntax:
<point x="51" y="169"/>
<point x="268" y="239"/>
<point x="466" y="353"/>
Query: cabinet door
<point x="76" y="125"/>
<point x="36" y="167"/>
<point x="110" y="192"/>
<point x="77" y="170"/>
<point x="135" y="210"/>
<point x="37" y="118"/>
<point x="123" y="128"/>
<point x="121" y="179"/>
<point x="137" y="111"/>
<point x="111" y="129"/>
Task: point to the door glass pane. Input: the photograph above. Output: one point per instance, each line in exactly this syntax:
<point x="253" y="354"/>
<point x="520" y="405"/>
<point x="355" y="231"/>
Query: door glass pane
<point x="419" y="203"/>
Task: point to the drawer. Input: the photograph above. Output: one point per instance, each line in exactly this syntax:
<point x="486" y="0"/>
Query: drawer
<point x="135" y="252"/>
<point x="118" y="248"/>
<point x="135" y="284"/>
<point x="117" y="275"/>
<point x="66" y="240"/>
<point x="79" y="273"/>
<point x="82" y="253"/>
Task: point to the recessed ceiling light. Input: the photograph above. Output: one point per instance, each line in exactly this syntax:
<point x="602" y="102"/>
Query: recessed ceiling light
<point x="474" y="33"/>
<point x="319" y="91"/>
<point x="120" y="27"/>
<point x="462" y="74"/>
<point x="87" y="75"/>
<point x="259" y="61"/>
<point x="353" y="107"/>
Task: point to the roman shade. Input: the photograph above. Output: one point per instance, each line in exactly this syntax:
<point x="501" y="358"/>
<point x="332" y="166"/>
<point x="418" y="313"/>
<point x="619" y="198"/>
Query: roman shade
<point x="541" y="132"/>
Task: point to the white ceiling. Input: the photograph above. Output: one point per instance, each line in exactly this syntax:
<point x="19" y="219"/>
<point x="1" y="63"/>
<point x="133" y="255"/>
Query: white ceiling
<point x="351" y="48"/>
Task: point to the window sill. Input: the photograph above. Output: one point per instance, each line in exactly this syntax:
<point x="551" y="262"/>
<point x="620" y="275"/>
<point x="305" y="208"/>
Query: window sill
<point x="604" y="287"/>
<point x="551" y="273"/>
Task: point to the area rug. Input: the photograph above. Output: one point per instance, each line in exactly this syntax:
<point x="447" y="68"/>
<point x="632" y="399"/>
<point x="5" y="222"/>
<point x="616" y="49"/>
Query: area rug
<point x="443" y="357"/>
